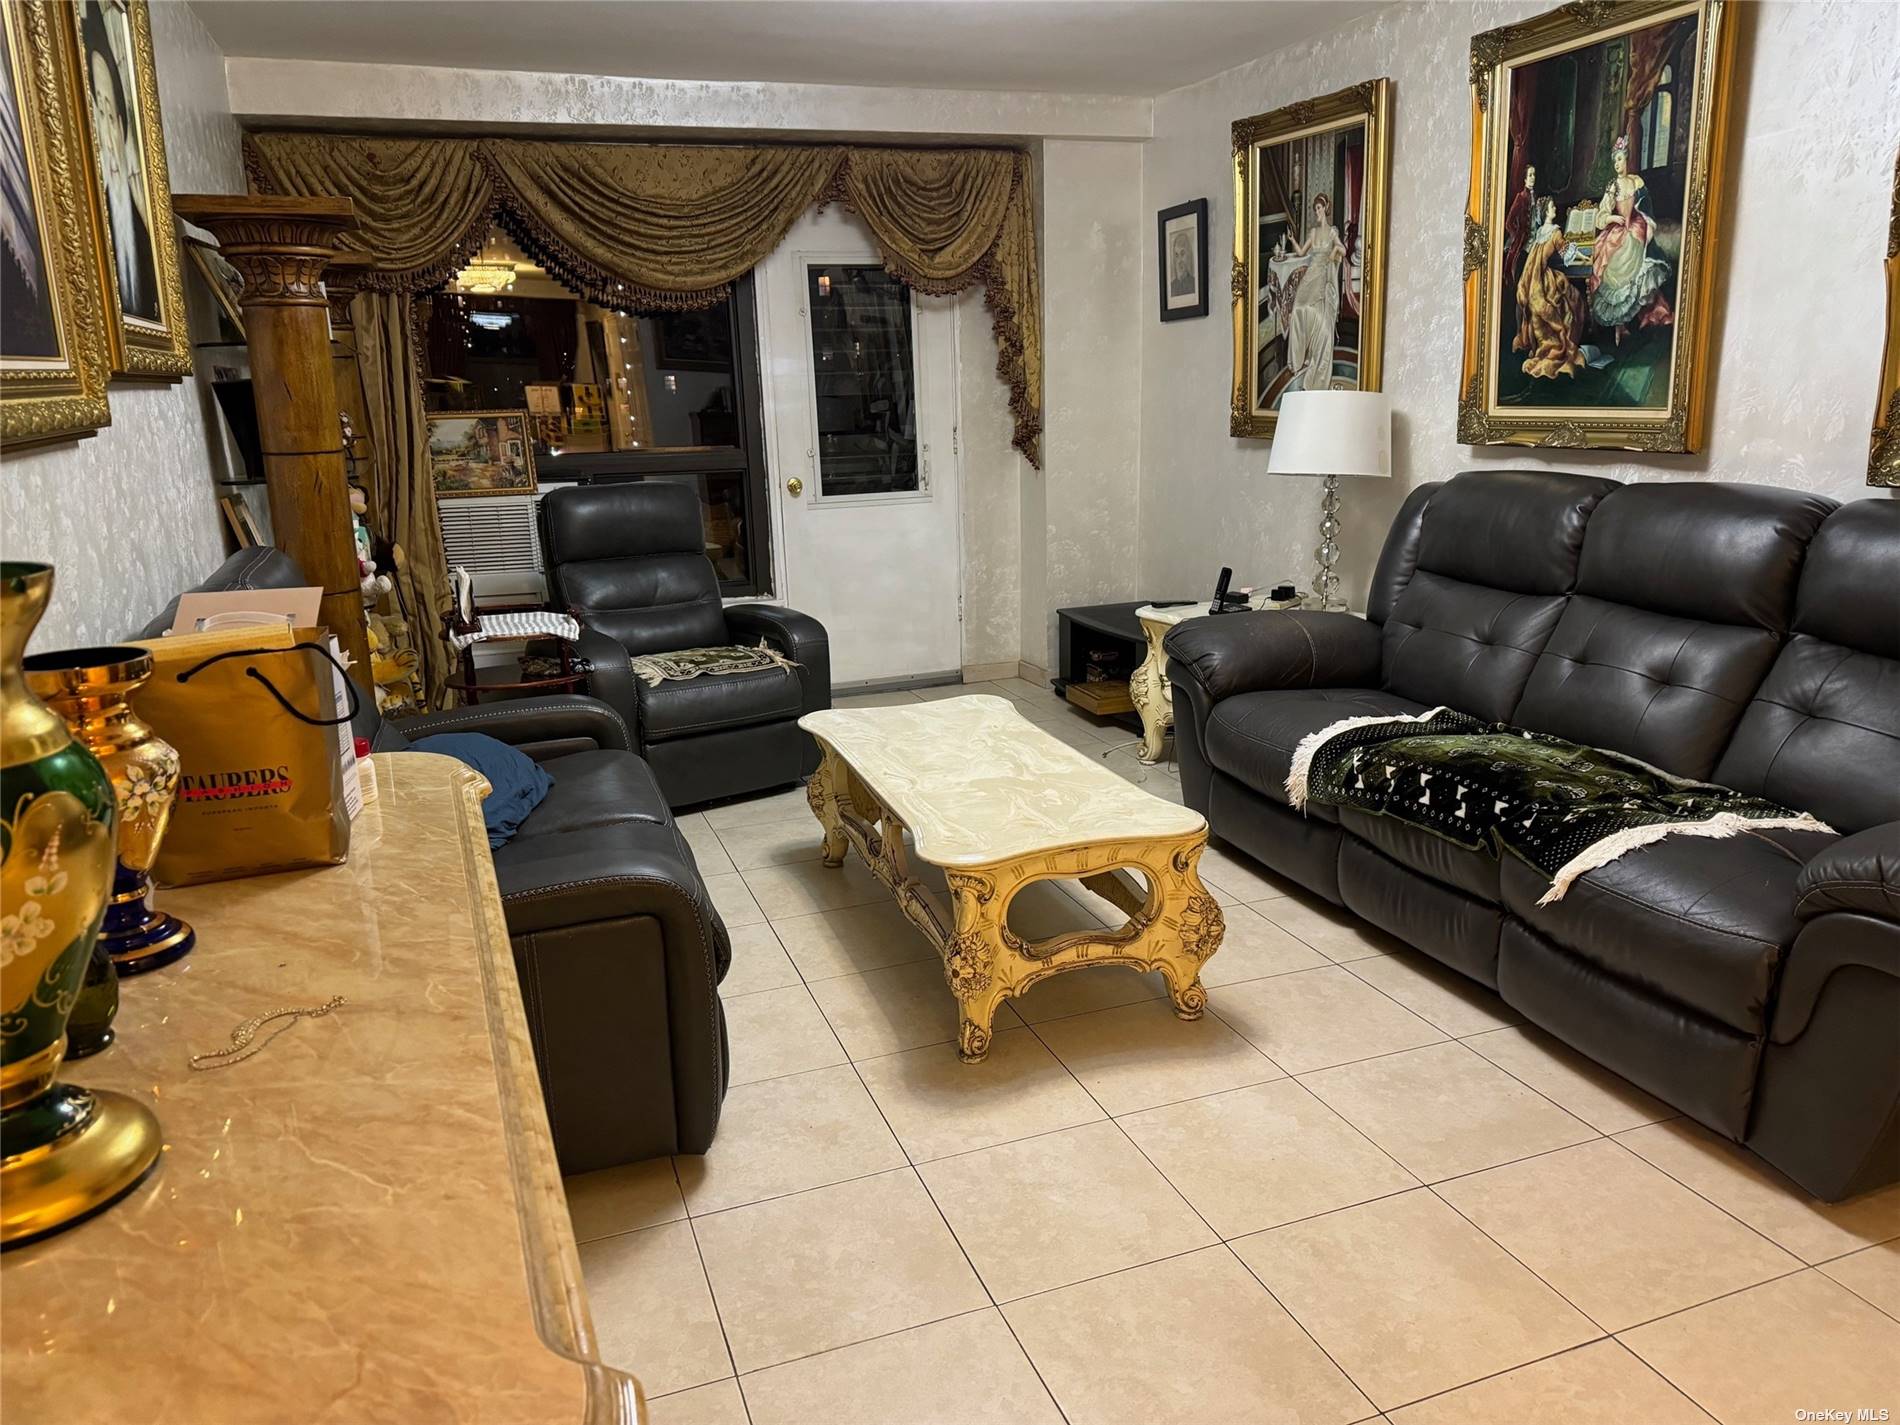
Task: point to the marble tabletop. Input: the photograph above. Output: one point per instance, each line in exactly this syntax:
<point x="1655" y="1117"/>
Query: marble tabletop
<point x="977" y="782"/>
<point x="364" y="1221"/>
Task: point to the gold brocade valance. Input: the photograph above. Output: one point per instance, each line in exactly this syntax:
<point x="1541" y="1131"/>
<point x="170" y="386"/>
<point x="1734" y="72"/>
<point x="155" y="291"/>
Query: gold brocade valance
<point x="671" y="226"/>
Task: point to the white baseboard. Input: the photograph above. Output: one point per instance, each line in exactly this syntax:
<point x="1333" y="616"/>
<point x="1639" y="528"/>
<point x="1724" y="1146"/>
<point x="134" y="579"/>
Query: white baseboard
<point x="1030" y="673"/>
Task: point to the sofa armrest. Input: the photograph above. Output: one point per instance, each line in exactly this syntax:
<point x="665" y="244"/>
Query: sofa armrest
<point x="1292" y="648"/>
<point x="553" y="725"/>
<point x="800" y="637"/>
<point x="619" y="952"/>
<point x="610" y="673"/>
<point x="1858" y="873"/>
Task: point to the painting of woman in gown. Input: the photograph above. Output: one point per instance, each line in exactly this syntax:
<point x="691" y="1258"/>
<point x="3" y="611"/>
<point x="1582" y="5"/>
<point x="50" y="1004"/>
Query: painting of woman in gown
<point x="1599" y="132"/>
<point x="1315" y="314"/>
<point x="1626" y="283"/>
<point x="1549" y="306"/>
<point x="1310" y="198"/>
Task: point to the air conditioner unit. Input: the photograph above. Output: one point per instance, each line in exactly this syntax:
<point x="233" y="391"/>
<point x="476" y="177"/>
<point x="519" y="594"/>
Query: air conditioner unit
<point x="495" y="538"/>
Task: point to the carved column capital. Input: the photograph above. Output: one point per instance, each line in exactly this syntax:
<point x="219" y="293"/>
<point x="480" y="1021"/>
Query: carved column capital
<point x="280" y="246"/>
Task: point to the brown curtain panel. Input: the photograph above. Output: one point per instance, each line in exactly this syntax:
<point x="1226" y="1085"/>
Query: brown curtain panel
<point x="638" y="226"/>
<point x="402" y="505"/>
<point x="423" y="206"/>
<point x="651" y="225"/>
<point x="947" y="219"/>
<point x="671" y="225"/>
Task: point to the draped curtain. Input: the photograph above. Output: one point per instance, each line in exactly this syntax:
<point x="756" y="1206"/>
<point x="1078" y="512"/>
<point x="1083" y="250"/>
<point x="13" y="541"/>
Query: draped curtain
<point x="645" y="226"/>
<point x="1649" y="53"/>
<point x="402" y="505"/>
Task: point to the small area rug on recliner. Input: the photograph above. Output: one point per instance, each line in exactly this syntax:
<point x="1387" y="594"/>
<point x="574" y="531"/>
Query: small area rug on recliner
<point x="1562" y="808"/>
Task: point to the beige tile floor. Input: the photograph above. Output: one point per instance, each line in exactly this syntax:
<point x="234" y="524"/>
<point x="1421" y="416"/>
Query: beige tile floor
<point x="1361" y="1189"/>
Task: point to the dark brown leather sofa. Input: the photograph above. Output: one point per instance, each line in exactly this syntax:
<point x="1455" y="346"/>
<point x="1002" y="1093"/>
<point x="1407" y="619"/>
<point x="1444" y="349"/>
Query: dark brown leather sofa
<point x="616" y="943"/>
<point x="1740" y="634"/>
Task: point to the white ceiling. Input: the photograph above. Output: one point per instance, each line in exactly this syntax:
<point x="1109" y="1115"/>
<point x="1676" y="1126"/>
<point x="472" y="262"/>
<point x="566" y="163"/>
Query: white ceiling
<point x="1128" y="47"/>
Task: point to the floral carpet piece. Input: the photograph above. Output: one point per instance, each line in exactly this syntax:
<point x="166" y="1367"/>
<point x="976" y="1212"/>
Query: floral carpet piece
<point x="657" y="668"/>
<point x="1562" y="808"/>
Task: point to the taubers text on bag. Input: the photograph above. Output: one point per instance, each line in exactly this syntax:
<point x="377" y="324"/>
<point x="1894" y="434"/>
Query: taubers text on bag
<point x="252" y="712"/>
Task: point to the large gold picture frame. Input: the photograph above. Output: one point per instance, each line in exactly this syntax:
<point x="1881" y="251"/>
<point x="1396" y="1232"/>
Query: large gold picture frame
<point x="1280" y="340"/>
<point x="53" y="357"/>
<point x="143" y="282"/>
<point x="1883" y="449"/>
<point x="1601" y="337"/>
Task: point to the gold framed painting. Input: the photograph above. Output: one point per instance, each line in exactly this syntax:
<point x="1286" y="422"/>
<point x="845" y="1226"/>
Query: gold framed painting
<point x="53" y="358"/>
<point x="1590" y="249"/>
<point x="138" y="240"/>
<point x="1883" y="449"/>
<point x="1311" y="190"/>
<point x="481" y="453"/>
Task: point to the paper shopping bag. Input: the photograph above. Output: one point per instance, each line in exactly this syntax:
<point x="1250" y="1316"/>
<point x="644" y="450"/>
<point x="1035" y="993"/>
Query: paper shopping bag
<point x="254" y="716"/>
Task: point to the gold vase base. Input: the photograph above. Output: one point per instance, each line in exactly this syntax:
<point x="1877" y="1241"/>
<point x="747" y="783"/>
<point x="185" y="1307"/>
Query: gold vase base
<point x="83" y="1171"/>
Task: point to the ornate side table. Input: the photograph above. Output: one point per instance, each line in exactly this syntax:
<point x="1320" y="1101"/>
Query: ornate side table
<point x="1154" y="699"/>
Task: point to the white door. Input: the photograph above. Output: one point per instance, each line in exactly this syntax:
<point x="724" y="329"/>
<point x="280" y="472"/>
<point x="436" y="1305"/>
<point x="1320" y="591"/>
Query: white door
<point x="860" y="409"/>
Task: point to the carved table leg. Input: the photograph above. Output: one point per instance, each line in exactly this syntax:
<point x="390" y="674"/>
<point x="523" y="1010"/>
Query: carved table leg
<point x="1153" y="698"/>
<point x="970" y="959"/>
<point x="1193" y="918"/>
<point x="823" y="791"/>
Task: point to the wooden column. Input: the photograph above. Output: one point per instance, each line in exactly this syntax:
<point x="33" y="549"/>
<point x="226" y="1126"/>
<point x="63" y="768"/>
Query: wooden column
<point x="281" y="247"/>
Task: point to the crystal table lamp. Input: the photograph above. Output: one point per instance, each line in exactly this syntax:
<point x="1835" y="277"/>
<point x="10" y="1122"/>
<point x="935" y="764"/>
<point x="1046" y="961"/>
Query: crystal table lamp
<point x="1332" y="433"/>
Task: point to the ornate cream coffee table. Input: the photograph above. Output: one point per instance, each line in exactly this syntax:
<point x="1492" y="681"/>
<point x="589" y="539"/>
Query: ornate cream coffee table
<point x="996" y="802"/>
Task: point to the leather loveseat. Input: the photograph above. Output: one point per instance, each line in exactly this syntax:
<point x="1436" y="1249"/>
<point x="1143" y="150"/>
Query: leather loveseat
<point x="628" y="559"/>
<point x="1739" y="634"/>
<point x="616" y="943"/>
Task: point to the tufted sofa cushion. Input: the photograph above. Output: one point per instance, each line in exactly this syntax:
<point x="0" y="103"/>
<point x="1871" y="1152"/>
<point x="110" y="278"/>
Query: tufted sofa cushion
<point x="1496" y="554"/>
<point x="1823" y="732"/>
<point x="1683" y="594"/>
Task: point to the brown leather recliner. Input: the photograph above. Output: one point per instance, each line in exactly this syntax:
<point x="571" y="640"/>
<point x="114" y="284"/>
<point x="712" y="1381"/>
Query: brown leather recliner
<point x="1739" y="634"/>
<point x="628" y="559"/>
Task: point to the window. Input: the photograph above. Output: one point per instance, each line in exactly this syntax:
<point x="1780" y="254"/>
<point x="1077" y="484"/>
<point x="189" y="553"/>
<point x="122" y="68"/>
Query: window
<point x="862" y="381"/>
<point x="1658" y="116"/>
<point x="613" y="395"/>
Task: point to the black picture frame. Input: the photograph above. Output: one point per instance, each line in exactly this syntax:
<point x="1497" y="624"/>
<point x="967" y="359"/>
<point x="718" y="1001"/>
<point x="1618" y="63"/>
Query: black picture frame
<point x="1172" y="307"/>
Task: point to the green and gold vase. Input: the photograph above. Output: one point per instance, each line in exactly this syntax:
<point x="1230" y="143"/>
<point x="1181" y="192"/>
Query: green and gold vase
<point x="90" y="688"/>
<point x="65" y="1151"/>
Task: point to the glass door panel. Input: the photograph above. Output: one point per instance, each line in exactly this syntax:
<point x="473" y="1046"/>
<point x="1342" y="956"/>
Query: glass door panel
<point x="864" y="386"/>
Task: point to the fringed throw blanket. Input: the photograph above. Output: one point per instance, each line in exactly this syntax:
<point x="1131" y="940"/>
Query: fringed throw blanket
<point x="1564" y="809"/>
<point x="657" y="668"/>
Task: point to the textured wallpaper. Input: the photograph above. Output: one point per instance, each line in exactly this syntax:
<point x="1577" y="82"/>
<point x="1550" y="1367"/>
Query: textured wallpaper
<point x="991" y="470"/>
<point x="1094" y="302"/>
<point x="129" y="516"/>
<point x="1798" y="327"/>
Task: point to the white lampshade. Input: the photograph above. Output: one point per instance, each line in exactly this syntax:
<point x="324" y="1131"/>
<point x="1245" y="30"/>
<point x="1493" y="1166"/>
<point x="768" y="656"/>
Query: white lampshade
<point x="1332" y="433"/>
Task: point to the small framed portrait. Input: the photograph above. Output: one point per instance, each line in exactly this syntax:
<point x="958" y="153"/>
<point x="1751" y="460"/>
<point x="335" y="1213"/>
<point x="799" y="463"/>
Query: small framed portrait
<point x="1589" y="254"/>
<point x="481" y="453"/>
<point x="54" y="362"/>
<point x="138" y="240"/>
<point x="226" y="284"/>
<point x="1181" y="235"/>
<point x="1311" y="188"/>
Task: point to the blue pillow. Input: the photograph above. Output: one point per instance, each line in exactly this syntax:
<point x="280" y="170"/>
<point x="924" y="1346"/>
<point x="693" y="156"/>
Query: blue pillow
<point x="519" y="781"/>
